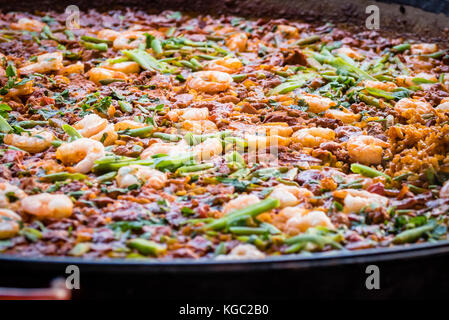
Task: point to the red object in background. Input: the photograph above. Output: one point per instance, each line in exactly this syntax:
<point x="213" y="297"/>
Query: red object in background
<point x="57" y="291"/>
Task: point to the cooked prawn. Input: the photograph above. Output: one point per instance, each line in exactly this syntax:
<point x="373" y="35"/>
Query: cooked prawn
<point x="209" y="81"/>
<point x="10" y="196"/>
<point x="128" y="40"/>
<point x="237" y="41"/>
<point x="32" y="141"/>
<point x="366" y="149"/>
<point x="9" y="224"/>
<point x="317" y="103"/>
<point x="45" y="63"/>
<point x="344" y="115"/>
<point x="243" y="252"/>
<point x="31" y="25"/>
<point x="301" y="220"/>
<point x="408" y="108"/>
<point x="140" y="175"/>
<point x="356" y="200"/>
<point x="226" y="64"/>
<point x="207" y="149"/>
<point x="82" y="153"/>
<point x="199" y="126"/>
<point x="290" y="195"/>
<point x="48" y="206"/>
<point x="313" y="137"/>
<point x="99" y="74"/>
<point x="242" y="201"/>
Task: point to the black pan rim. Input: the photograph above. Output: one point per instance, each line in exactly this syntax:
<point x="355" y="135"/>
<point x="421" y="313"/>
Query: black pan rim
<point x="297" y="262"/>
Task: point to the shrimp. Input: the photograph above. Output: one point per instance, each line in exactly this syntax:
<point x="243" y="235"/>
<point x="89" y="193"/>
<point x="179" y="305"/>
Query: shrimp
<point x="128" y="124"/>
<point x="290" y="195"/>
<point x="262" y="142"/>
<point x="82" y="152"/>
<point x="444" y="105"/>
<point x="344" y="115"/>
<point x="207" y="149"/>
<point x="242" y="252"/>
<point x="317" y="103"/>
<point x="21" y="90"/>
<point x="386" y="86"/>
<point x="351" y="53"/>
<point x="366" y="149"/>
<point x="164" y="148"/>
<point x="407" y="81"/>
<point x="31" y="25"/>
<point x="237" y="41"/>
<point x="313" y="137"/>
<point x="10" y="196"/>
<point x="356" y="200"/>
<point x="301" y="220"/>
<point x="242" y="201"/>
<point x="108" y="34"/>
<point x="226" y="64"/>
<point x="275" y="128"/>
<point x="287" y="31"/>
<point x="209" y="81"/>
<point x="126" y="67"/>
<point x="48" y="206"/>
<point x="128" y="40"/>
<point x="32" y="141"/>
<point x="195" y="114"/>
<point x="444" y="191"/>
<point x="408" y="108"/>
<point x="9" y="224"/>
<point x="45" y="63"/>
<point x="140" y="175"/>
<point x="99" y="74"/>
<point x="90" y="125"/>
<point x="94" y="127"/>
<point x="73" y="68"/>
<point x="199" y="126"/>
<point x="423" y="48"/>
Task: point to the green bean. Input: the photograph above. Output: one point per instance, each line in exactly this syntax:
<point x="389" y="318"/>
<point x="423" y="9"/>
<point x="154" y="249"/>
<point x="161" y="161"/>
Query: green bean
<point x="70" y="35"/>
<point x="106" y="177"/>
<point x="239" y="77"/>
<point x="368" y="171"/>
<point x="79" y="249"/>
<point x="166" y="136"/>
<point x="252" y="211"/>
<point x="247" y="230"/>
<point x="57" y="143"/>
<point x="71" y="132"/>
<point x="220" y="249"/>
<point x="109" y="81"/>
<point x="402" y="176"/>
<point x="401" y="47"/>
<point x="31" y="124"/>
<point x="61" y="176"/>
<point x="5" y="127"/>
<point x="114" y="165"/>
<point x="196" y="64"/>
<point x="412" y="235"/>
<point x="172" y="162"/>
<point x="146" y="247"/>
<point x="139" y="132"/>
<point x="308" y="40"/>
<point x="156" y="46"/>
<point x="195" y="168"/>
<point x="319" y="240"/>
<point x="369" y="100"/>
<point x="435" y="55"/>
<point x="94" y="40"/>
<point x="125" y="106"/>
<point x="95" y="46"/>
<point x="144" y="59"/>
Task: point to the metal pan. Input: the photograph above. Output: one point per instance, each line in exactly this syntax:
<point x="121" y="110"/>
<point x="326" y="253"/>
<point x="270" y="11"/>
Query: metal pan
<point x="406" y="271"/>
